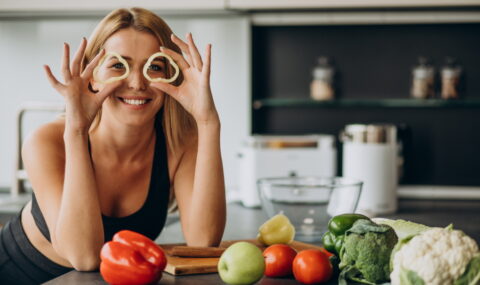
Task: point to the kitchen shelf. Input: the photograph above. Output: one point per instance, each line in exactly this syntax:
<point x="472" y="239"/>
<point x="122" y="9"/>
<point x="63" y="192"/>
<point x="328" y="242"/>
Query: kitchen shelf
<point x="367" y="103"/>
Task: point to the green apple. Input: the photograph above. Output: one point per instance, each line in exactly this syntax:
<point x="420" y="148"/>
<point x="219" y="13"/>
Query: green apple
<point x="277" y="229"/>
<point x="241" y="263"/>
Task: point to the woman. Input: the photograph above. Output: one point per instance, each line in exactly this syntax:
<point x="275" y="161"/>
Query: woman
<point x="122" y="154"/>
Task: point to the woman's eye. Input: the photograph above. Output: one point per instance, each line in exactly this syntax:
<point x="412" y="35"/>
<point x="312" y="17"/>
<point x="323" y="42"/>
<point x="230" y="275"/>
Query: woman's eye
<point x="118" y="65"/>
<point x="155" y="67"/>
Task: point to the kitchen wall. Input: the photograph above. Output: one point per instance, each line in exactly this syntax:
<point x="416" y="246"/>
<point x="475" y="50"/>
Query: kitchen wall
<point x="28" y="43"/>
<point x="374" y="61"/>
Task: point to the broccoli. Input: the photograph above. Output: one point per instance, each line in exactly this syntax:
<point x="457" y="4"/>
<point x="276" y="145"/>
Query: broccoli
<point x="365" y="255"/>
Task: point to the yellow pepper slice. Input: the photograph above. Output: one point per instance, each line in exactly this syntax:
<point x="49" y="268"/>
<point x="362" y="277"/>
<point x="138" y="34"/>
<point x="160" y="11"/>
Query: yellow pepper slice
<point x="165" y="80"/>
<point x="111" y="79"/>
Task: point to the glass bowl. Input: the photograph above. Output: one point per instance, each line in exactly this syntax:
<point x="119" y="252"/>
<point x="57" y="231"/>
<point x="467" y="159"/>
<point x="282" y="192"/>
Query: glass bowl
<point x="309" y="202"/>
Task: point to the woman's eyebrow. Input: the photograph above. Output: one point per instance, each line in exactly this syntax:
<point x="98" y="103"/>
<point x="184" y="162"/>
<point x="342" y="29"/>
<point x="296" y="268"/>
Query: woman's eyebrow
<point x="129" y="59"/>
<point x="159" y="60"/>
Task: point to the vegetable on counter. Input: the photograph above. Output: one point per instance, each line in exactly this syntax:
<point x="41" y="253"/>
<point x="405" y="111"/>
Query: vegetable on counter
<point x="131" y="258"/>
<point x="278" y="260"/>
<point x="277" y="229"/>
<point x="337" y="226"/>
<point x="436" y="256"/>
<point x="365" y="255"/>
<point x="401" y="227"/>
<point x="380" y="250"/>
<point x="312" y="266"/>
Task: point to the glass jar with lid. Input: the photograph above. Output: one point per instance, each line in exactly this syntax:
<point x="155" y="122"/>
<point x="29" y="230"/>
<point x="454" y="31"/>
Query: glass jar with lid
<point x="450" y="74"/>
<point x="423" y="79"/>
<point x="321" y="87"/>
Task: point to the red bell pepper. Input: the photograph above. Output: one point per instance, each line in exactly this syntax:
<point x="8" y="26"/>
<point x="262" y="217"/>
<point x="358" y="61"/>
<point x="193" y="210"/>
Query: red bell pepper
<point x="131" y="258"/>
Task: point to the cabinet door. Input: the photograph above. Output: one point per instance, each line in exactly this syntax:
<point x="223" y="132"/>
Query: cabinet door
<point x="47" y="6"/>
<point x="305" y="4"/>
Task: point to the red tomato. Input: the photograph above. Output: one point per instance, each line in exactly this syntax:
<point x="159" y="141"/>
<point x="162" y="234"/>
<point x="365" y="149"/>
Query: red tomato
<point x="328" y="253"/>
<point x="278" y="260"/>
<point x="312" y="266"/>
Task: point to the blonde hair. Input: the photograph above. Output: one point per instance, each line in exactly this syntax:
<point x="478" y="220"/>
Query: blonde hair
<point x="177" y="123"/>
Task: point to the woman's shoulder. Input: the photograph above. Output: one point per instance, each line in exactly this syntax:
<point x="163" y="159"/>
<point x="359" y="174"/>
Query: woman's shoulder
<point x="46" y="138"/>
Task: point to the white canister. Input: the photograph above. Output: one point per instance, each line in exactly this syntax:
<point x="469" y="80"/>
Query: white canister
<point x="370" y="154"/>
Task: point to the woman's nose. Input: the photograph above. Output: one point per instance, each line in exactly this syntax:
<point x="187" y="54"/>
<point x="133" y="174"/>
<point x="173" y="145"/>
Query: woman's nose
<point x="136" y="80"/>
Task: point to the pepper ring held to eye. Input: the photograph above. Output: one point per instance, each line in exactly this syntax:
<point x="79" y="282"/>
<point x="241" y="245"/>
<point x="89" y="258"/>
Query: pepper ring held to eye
<point x="159" y="79"/>
<point x="111" y="79"/>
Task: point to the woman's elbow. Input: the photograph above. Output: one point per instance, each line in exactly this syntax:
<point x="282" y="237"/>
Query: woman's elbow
<point x="205" y="240"/>
<point x="83" y="263"/>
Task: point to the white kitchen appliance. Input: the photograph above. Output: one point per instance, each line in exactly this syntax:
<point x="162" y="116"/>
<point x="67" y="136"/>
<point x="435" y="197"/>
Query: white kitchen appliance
<point x="283" y="156"/>
<point x="370" y="154"/>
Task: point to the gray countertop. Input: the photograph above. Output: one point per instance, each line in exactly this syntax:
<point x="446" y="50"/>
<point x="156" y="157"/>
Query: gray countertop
<point x="242" y="223"/>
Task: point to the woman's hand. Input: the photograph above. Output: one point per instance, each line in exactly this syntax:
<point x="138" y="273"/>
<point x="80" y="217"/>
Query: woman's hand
<point x="82" y="104"/>
<point x="194" y="94"/>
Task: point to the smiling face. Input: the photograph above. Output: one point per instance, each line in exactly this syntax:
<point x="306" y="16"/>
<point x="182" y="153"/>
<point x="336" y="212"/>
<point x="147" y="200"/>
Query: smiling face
<point x="134" y="101"/>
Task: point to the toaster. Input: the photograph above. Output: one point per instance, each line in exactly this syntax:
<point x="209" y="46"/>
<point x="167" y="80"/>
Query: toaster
<point x="263" y="156"/>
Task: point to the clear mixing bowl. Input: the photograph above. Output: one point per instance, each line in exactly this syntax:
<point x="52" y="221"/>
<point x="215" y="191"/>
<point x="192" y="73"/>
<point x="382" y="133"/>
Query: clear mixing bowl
<point x="309" y="202"/>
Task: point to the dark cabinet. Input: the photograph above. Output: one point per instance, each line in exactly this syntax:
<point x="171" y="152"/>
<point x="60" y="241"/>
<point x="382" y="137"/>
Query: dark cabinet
<point x="374" y="65"/>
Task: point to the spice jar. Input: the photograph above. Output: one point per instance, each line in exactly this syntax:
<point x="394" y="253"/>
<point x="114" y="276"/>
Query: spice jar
<point x="423" y="79"/>
<point x="451" y="73"/>
<point x="321" y="87"/>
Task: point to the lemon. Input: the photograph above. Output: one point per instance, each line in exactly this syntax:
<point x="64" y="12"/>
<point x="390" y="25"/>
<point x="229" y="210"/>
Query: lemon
<point x="277" y="229"/>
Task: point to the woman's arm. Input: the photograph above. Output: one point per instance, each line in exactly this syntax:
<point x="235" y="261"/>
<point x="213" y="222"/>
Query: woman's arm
<point x="200" y="189"/>
<point x="198" y="182"/>
<point x="66" y="192"/>
<point x="65" y="184"/>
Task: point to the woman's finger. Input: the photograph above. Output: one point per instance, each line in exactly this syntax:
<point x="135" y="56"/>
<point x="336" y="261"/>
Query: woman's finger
<point x="183" y="46"/>
<point x="87" y="73"/>
<point x="107" y="91"/>
<point x="67" y="75"/>
<point x="78" y="57"/>
<point x="197" y="59"/>
<point x="167" y="88"/>
<point x="208" y="61"/>
<point x="53" y="81"/>
<point x="178" y="58"/>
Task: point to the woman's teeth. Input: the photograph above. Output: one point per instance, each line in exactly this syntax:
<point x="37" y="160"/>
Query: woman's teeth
<point x="134" y="101"/>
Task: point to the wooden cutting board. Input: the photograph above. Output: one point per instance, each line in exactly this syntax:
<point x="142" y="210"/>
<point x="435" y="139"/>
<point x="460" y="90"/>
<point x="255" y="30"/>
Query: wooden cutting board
<point x="197" y="265"/>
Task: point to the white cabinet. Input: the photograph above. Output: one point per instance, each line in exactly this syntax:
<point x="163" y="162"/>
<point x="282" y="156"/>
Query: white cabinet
<point x="49" y="6"/>
<point x="325" y="4"/>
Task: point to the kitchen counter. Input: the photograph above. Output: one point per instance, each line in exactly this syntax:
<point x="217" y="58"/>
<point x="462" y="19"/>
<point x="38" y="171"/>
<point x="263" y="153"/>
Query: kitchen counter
<point x="242" y="223"/>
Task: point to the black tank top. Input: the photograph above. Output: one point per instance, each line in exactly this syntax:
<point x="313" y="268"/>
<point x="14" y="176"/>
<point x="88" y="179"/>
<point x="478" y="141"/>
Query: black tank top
<point x="149" y="220"/>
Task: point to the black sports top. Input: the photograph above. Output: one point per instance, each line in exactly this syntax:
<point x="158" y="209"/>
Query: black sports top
<point x="149" y="220"/>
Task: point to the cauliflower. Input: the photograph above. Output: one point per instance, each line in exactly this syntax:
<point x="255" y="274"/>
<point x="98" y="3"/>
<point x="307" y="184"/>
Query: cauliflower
<point x="436" y="256"/>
